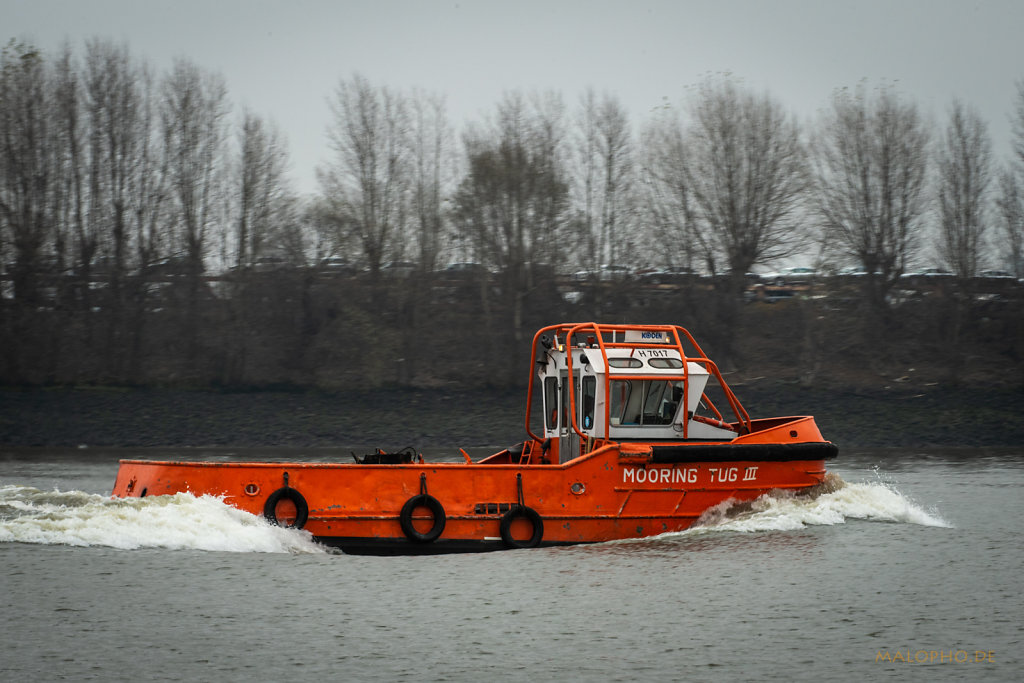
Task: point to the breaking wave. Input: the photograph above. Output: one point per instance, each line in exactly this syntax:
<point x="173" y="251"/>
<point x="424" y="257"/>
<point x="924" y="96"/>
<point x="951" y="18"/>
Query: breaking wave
<point x="832" y="502"/>
<point x="181" y="521"/>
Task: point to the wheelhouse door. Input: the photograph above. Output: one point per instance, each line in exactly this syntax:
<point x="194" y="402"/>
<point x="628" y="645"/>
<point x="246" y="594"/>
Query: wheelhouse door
<point x="569" y="440"/>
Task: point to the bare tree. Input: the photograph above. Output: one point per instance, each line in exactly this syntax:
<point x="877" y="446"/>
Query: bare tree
<point x="366" y="182"/>
<point x="74" y="227"/>
<point x="194" y="107"/>
<point x="964" y="161"/>
<point x="512" y="204"/>
<point x="616" y="149"/>
<point x="263" y="215"/>
<point x="84" y="201"/>
<point x="432" y="175"/>
<point x="112" y="84"/>
<point x="585" y="175"/>
<point x="1017" y="123"/>
<point x="113" y="141"/>
<point x="149" y="191"/>
<point x="669" y="202"/>
<point x="548" y="142"/>
<point x="147" y="204"/>
<point x="871" y="171"/>
<point x="726" y="186"/>
<point x="747" y="173"/>
<point x="604" y="176"/>
<point x="26" y="162"/>
<point x="328" y="235"/>
<point x="263" y="200"/>
<point x="1010" y="207"/>
<point x="1010" y="202"/>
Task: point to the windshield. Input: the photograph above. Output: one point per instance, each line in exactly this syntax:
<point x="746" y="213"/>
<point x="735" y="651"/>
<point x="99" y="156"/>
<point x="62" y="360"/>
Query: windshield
<point x="645" y="401"/>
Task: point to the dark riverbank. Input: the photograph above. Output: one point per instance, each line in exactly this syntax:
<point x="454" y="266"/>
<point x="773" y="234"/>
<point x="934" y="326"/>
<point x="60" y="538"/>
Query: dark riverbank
<point x="395" y="418"/>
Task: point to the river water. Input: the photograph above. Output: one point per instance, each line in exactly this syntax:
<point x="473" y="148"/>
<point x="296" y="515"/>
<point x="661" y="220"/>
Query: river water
<point x="910" y="568"/>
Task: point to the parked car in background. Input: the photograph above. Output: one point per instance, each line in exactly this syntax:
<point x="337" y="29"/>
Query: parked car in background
<point x="929" y="272"/>
<point x="169" y="268"/>
<point x="266" y="264"/>
<point x="796" y="275"/>
<point x="996" y="275"/>
<point x="673" y="275"/>
<point x="607" y="272"/>
<point x="336" y="266"/>
<point x="852" y="271"/>
<point x="398" y="269"/>
<point x="465" y="270"/>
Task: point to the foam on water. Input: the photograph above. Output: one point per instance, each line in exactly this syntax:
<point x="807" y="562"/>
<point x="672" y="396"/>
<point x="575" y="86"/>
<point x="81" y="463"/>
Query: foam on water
<point x="833" y="502"/>
<point x="181" y="521"/>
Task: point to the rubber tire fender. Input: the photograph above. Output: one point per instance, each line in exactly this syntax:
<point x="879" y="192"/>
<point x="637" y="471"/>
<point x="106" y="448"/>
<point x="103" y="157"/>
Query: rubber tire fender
<point x="526" y="513"/>
<point x="405" y="518"/>
<point x="301" y="507"/>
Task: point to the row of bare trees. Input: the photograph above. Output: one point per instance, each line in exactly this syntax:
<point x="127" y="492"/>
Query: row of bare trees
<point x="107" y="162"/>
<point x="111" y="175"/>
<point x="728" y="182"/>
<point x="115" y="174"/>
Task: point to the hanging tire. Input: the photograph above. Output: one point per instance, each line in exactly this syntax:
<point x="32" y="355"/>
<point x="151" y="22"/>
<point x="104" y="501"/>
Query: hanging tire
<point x="526" y="513"/>
<point x="423" y="500"/>
<point x="287" y="493"/>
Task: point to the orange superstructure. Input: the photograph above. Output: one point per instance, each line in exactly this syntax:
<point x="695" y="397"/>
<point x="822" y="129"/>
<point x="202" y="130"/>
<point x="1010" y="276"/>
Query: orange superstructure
<point x="639" y="435"/>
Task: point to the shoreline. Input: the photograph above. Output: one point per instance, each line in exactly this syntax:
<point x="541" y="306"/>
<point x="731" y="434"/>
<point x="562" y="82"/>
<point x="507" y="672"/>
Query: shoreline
<point x="394" y="418"/>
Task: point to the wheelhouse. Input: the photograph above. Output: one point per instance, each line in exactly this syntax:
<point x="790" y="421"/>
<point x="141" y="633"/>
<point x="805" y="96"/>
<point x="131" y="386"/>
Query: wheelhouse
<point x="604" y="383"/>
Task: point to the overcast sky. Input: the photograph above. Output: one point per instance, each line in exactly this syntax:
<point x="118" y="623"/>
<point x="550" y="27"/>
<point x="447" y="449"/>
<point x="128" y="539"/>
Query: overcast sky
<point x="284" y="59"/>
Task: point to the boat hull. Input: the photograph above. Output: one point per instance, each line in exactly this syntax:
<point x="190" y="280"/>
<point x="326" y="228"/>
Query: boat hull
<point x="617" y="491"/>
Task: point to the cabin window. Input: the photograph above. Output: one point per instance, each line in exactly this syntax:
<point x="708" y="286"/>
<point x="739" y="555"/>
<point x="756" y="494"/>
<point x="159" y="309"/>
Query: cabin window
<point x="625" y="363"/>
<point x="551" y="402"/>
<point x="638" y="402"/>
<point x="620" y="390"/>
<point x="588" y="395"/>
<point x="673" y="363"/>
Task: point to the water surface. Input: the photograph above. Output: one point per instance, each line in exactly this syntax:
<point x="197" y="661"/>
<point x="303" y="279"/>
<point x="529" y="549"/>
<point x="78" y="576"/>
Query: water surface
<point x="906" y="556"/>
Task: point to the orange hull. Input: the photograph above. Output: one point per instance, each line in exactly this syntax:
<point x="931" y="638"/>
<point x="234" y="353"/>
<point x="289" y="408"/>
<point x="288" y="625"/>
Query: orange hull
<point x="608" y="494"/>
<point x="631" y="445"/>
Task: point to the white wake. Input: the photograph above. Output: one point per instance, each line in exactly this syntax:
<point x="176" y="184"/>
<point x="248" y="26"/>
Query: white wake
<point x="833" y="502"/>
<point x="181" y="521"/>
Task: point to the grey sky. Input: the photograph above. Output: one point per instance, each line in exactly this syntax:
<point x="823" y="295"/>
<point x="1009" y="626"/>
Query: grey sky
<point x="283" y="59"/>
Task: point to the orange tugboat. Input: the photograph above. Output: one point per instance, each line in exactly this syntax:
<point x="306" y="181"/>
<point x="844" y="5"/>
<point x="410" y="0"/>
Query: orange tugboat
<point x="630" y="442"/>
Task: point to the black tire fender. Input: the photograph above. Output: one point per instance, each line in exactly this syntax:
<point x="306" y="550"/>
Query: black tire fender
<point x="527" y="513"/>
<point x="436" y="509"/>
<point x="301" y="507"/>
